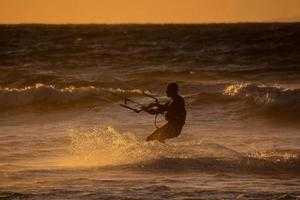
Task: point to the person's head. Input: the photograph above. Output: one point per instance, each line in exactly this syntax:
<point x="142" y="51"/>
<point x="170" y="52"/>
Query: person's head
<point x="172" y="90"/>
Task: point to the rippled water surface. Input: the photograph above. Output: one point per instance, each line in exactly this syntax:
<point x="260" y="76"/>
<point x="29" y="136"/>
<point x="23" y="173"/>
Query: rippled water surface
<point x="63" y="134"/>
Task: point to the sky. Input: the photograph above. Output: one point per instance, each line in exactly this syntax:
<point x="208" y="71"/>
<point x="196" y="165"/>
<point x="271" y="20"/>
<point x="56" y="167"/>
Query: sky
<point x="147" y="11"/>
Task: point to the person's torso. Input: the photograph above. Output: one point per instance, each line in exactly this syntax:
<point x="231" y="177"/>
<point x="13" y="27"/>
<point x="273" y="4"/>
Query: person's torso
<point x="176" y="112"/>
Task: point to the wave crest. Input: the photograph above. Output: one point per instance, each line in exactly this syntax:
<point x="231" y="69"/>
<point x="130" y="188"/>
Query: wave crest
<point x="262" y="95"/>
<point x="41" y="95"/>
<point x="272" y="100"/>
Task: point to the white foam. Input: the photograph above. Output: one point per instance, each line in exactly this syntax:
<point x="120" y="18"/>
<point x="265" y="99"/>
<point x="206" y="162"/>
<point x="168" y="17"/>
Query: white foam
<point x="41" y="94"/>
<point x="263" y="95"/>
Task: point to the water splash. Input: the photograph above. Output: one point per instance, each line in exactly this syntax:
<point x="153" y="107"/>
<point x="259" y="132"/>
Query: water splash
<point x="101" y="147"/>
<point x="105" y="146"/>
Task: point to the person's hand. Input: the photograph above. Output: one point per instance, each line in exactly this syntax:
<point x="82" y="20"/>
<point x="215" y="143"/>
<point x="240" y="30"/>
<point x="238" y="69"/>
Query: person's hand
<point x="144" y="108"/>
<point x="151" y="105"/>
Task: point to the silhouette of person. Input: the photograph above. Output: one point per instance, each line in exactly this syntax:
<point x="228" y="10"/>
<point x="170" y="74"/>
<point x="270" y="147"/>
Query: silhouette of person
<point x="175" y="114"/>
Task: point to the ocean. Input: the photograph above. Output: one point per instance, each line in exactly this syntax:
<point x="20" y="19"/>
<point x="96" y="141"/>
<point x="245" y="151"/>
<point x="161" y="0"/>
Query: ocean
<point x="64" y="135"/>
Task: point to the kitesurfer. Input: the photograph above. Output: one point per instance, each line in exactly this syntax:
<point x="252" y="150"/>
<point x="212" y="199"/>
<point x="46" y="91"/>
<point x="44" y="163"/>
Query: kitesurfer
<point x="175" y="114"/>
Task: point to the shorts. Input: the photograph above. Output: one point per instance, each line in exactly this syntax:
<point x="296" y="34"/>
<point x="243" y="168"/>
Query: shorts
<point x="167" y="131"/>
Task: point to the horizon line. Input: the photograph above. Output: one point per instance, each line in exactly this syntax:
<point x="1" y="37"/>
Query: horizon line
<point x="153" y="23"/>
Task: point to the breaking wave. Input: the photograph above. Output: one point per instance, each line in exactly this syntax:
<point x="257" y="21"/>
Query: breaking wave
<point x="42" y="95"/>
<point x="270" y="101"/>
<point x="273" y="101"/>
<point x="264" y="95"/>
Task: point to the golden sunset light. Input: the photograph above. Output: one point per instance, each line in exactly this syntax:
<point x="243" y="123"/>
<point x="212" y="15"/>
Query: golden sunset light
<point x="150" y="99"/>
<point x="147" y="11"/>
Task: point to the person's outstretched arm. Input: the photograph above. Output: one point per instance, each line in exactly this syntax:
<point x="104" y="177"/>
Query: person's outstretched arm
<point x="159" y="110"/>
<point x="151" y="111"/>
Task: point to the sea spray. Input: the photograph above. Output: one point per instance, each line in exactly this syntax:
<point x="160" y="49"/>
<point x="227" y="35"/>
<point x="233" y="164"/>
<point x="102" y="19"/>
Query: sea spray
<point x="106" y="146"/>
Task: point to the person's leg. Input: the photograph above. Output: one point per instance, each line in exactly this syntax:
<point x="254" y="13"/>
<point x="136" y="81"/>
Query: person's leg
<point x="171" y="131"/>
<point x="153" y="136"/>
<point x="167" y="131"/>
<point x="158" y="134"/>
<point x="175" y="131"/>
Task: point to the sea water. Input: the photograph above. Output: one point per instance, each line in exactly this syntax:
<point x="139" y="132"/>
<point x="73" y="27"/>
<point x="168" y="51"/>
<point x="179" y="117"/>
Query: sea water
<point x="63" y="134"/>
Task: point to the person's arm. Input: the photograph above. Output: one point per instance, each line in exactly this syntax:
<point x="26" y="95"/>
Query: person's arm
<point x="151" y="111"/>
<point x="159" y="110"/>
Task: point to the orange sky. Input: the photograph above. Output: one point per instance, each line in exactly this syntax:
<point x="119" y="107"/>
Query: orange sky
<point x="146" y="11"/>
